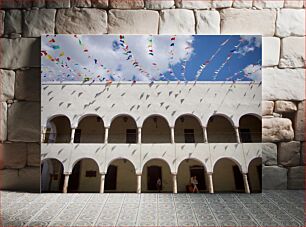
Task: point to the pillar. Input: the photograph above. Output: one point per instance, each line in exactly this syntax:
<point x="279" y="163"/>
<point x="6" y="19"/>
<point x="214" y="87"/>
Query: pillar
<point x="43" y="134"/>
<point x="246" y="183"/>
<point x="66" y="181"/>
<point x="205" y="134"/>
<point x="172" y="134"/>
<point x="138" y="183"/>
<point x="174" y="183"/>
<point x="106" y="135"/>
<point x="210" y="183"/>
<point x="237" y="135"/>
<point x="139" y="135"/>
<point x="102" y="183"/>
<point x="72" y="135"/>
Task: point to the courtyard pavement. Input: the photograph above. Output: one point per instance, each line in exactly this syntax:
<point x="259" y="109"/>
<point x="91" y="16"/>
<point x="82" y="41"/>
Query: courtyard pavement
<point x="270" y="208"/>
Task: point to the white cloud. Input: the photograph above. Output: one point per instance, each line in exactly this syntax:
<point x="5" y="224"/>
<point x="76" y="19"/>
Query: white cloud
<point x="249" y="45"/>
<point x="253" y="72"/>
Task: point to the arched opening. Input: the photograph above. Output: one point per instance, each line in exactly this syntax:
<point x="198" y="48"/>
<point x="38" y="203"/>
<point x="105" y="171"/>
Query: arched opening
<point x="52" y="177"/>
<point x="90" y="130"/>
<point x="85" y="177"/>
<point x="155" y="129"/>
<point x="123" y="129"/>
<point x="152" y="171"/>
<point x="255" y="175"/>
<point x="220" y="130"/>
<point x="120" y="177"/>
<point x="190" y="168"/>
<point x="250" y="129"/>
<point x="58" y="130"/>
<point x="188" y="129"/>
<point x="227" y="176"/>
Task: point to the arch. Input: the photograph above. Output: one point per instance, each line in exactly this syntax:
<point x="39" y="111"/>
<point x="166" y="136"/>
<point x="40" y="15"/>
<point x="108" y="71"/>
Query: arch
<point x="88" y="115"/>
<point x="142" y="120"/>
<point x="59" y="115"/>
<point x="220" y="129"/>
<point x="58" y="129"/>
<point x="52" y="175"/>
<point x="81" y="158"/>
<point x="120" y="158"/>
<point x="155" y="129"/>
<point x="123" y="129"/>
<point x="90" y="129"/>
<point x="250" y="128"/>
<point x="188" y="129"/>
<point x="255" y="174"/>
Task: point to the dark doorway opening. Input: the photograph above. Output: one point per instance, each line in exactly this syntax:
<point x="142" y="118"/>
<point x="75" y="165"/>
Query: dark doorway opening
<point x="74" y="179"/>
<point x="238" y="179"/>
<point x="198" y="171"/>
<point x="154" y="172"/>
<point x="111" y="178"/>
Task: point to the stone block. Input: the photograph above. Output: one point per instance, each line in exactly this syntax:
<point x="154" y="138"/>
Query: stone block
<point x="248" y="21"/>
<point x="159" y="4"/>
<point x="242" y="4"/>
<point x="177" y="21"/>
<point x="289" y="154"/>
<point x="2" y="15"/>
<point x="276" y="130"/>
<point x="269" y="154"/>
<point x="27" y="85"/>
<point x="38" y="22"/>
<point x="126" y="4"/>
<point x="3" y="121"/>
<point x="222" y="3"/>
<point x="283" y="84"/>
<point x="285" y="106"/>
<point x="14" y="155"/>
<point x="293" y="52"/>
<point x="20" y="53"/>
<point x="33" y="158"/>
<point x="39" y="3"/>
<point x="99" y="3"/>
<point x="303" y="160"/>
<point x="25" y="180"/>
<point x="81" y="21"/>
<point x="80" y="3"/>
<point x="7" y="85"/>
<point x="299" y="122"/>
<point x="274" y="177"/>
<point x="15" y="4"/>
<point x="267" y="107"/>
<point x="261" y="4"/>
<point x="133" y="21"/>
<point x="24" y="122"/>
<point x="293" y="4"/>
<point x="208" y="22"/>
<point x="290" y="22"/>
<point x="13" y="21"/>
<point x="191" y="4"/>
<point x="270" y="51"/>
<point x="55" y="4"/>
<point x="296" y="178"/>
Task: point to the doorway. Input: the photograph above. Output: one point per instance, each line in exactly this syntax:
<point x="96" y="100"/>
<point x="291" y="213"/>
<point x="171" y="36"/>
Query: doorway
<point x="198" y="172"/>
<point x="154" y="172"/>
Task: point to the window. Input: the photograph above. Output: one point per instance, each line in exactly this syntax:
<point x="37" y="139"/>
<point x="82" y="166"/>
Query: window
<point x="77" y="136"/>
<point x="189" y="135"/>
<point x="245" y="135"/>
<point x="131" y="136"/>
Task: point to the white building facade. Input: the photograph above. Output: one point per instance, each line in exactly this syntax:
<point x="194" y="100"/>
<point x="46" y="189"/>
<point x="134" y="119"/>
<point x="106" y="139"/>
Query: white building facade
<point x="122" y="137"/>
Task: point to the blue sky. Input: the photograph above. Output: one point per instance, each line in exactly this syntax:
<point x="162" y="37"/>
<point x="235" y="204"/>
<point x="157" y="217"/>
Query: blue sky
<point x="98" y="58"/>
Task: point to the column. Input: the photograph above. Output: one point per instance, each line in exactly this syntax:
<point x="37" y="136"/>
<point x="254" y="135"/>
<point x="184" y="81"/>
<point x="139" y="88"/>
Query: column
<point x="246" y="183"/>
<point x="237" y="135"/>
<point x="139" y="135"/>
<point x="65" y="188"/>
<point x="138" y="183"/>
<point x="174" y="183"/>
<point x="43" y="134"/>
<point x="205" y="134"/>
<point x="172" y="134"/>
<point x="72" y="135"/>
<point x="102" y="183"/>
<point x="210" y="183"/>
<point x="106" y="135"/>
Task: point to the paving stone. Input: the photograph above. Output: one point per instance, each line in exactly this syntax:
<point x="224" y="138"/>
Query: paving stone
<point x="296" y="177"/>
<point x="276" y="129"/>
<point x="7" y="85"/>
<point x="24" y="122"/>
<point x="274" y="177"/>
<point x="55" y="4"/>
<point x="299" y="122"/>
<point x="20" y="53"/>
<point x="38" y="22"/>
<point x="80" y="21"/>
<point x="221" y="3"/>
<point x="208" y="22"/>
<point x="27" y="85"/>
<point x="242" y="4"/>
<point x="13" y="21"/>
<point x="285" y="106"/>
<point x="133" y="22"/>
<point x="177" y="21"/>
<point x="99" y="3"/>
<point x="159" y="4"/>
<point x="2" y="15"/>
<point x="289" y="153"/>
<point x="270" y="51"/>
<point x="293" y="4"/>
<point x="14" y="155"/>
<point x="3" y="121"/>
<point x="191" y="4"/>
<point x="33" y="158"/>
<point x="292" y="52"/>
<point x="269" y="154"/>
<point x="261" y="4"/>
<point x="80" y="3"/>
<point x="267" y="107"/>
<point x="276" y="86"/>
<point x="126" y="4"/>
<point x="290" y="22"/>
<point x="248" y="21"/>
